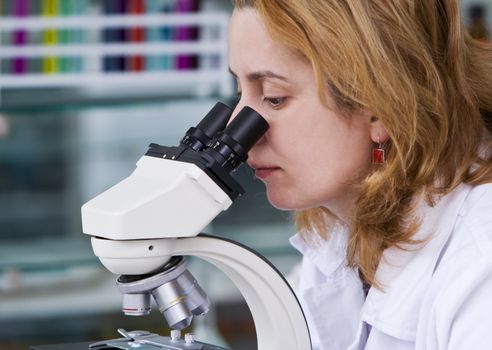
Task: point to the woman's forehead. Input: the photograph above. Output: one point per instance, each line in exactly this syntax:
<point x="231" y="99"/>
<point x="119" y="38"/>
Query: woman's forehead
<point x="251" y="45"/>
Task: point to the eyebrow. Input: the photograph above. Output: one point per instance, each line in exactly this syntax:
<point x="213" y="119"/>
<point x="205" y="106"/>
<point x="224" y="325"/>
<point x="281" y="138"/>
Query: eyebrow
<point x="262" y="75"/>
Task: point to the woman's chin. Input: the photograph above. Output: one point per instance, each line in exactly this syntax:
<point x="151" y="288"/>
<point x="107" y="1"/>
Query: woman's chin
<point x="288" y="200"/>
<point x="281" y="201"/>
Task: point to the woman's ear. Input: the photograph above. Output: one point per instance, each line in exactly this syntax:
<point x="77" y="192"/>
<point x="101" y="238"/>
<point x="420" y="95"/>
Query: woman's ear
<point x="378" y="132"/>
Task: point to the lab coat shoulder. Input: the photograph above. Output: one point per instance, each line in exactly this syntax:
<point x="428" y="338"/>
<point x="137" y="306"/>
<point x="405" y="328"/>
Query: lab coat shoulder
<point x="436" y="296"/>
<point x="433" y="294"/>
<point x="456" y="312"/>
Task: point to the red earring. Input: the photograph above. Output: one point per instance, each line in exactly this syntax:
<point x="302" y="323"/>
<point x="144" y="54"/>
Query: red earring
<point x="378" y="154"/>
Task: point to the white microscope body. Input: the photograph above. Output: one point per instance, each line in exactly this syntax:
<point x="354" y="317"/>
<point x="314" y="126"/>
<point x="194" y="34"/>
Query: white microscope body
<point x="140" y="226"/>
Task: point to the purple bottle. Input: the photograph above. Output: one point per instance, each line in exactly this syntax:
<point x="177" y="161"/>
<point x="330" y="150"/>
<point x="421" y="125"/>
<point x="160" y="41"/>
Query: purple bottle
<point x="19" y="37"/>
<point x="186" y="33"/>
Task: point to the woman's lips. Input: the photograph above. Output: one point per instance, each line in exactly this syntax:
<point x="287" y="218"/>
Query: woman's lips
<point x="263" y="173"/>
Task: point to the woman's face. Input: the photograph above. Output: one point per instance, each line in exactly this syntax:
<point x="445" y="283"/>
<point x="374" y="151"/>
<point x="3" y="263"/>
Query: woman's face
<point x="311" y="156"/>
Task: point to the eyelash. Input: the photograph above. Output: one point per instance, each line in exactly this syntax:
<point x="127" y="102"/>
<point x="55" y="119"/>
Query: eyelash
<point x="274" y="102"/>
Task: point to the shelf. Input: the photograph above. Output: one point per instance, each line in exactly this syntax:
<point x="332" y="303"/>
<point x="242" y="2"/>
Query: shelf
<point x="97" y="49"/>
<point x="103" y="21"/>
<point x="182" y="80"/>
<point x="85" y="64"/>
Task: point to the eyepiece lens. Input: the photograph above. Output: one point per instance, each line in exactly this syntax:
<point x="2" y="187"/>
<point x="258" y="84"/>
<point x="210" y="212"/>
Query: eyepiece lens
<point x="247" y="128"/>
<point x="232" y="145"/>
<point x="216" y="119"/>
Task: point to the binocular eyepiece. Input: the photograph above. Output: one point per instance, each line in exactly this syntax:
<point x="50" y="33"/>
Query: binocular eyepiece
<point x="227" y="144"/>
<point x="217" y="145"/>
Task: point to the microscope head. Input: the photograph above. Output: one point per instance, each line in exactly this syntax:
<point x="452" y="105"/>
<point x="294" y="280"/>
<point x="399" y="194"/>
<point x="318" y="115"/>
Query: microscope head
<point x="173" y="192"/>
<point x="177" y="191"/>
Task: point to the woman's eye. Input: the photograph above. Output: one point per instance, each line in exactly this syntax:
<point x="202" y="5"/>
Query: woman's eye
<point x="274" y="102"/>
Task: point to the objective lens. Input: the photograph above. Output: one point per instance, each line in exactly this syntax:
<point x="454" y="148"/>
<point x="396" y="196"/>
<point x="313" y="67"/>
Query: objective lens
<point x="175" y="291"/>
<point x="136" y="304"/>
<point x="230" y="148"/>
<point x="196" y="300"/>
<point x="216" y="119"/>
<point x="178" y="300"/>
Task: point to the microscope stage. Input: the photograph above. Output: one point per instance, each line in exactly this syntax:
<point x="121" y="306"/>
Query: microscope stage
<point x="140" y="340"/>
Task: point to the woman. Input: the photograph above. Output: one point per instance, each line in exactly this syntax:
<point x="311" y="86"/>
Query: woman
<point x="380" y="116"/>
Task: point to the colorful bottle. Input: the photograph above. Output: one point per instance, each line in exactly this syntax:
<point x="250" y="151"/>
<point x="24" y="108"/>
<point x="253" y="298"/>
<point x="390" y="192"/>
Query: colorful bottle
<point x="19" y="64"/>
<point x="50" y="8"/>
<point x="136" y="35"/>
<point x="186" y="33"/>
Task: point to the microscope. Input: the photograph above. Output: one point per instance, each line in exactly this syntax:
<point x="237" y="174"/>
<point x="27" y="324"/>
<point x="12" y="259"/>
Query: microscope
<point x="142" y="228"/>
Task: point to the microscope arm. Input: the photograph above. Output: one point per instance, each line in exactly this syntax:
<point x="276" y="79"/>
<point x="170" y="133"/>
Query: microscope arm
<point x="276" y="312"/>
<point x="277" y="315"/>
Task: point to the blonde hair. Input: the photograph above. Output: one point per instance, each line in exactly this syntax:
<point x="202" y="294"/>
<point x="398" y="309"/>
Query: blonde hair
<point x="415" y="67"/>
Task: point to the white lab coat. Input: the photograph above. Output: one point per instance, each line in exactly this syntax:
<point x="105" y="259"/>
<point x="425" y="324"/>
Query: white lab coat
<point x="436" y="297"/>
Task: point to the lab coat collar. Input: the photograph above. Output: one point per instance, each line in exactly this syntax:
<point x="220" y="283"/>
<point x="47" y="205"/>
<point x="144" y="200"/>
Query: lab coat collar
<point x="326" y="255"/>
<point x="407" y="273"/>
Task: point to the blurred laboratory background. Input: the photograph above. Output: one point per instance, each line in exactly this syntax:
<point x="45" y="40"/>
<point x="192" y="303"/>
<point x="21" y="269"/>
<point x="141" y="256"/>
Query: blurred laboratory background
<point x="85" y="87"/>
